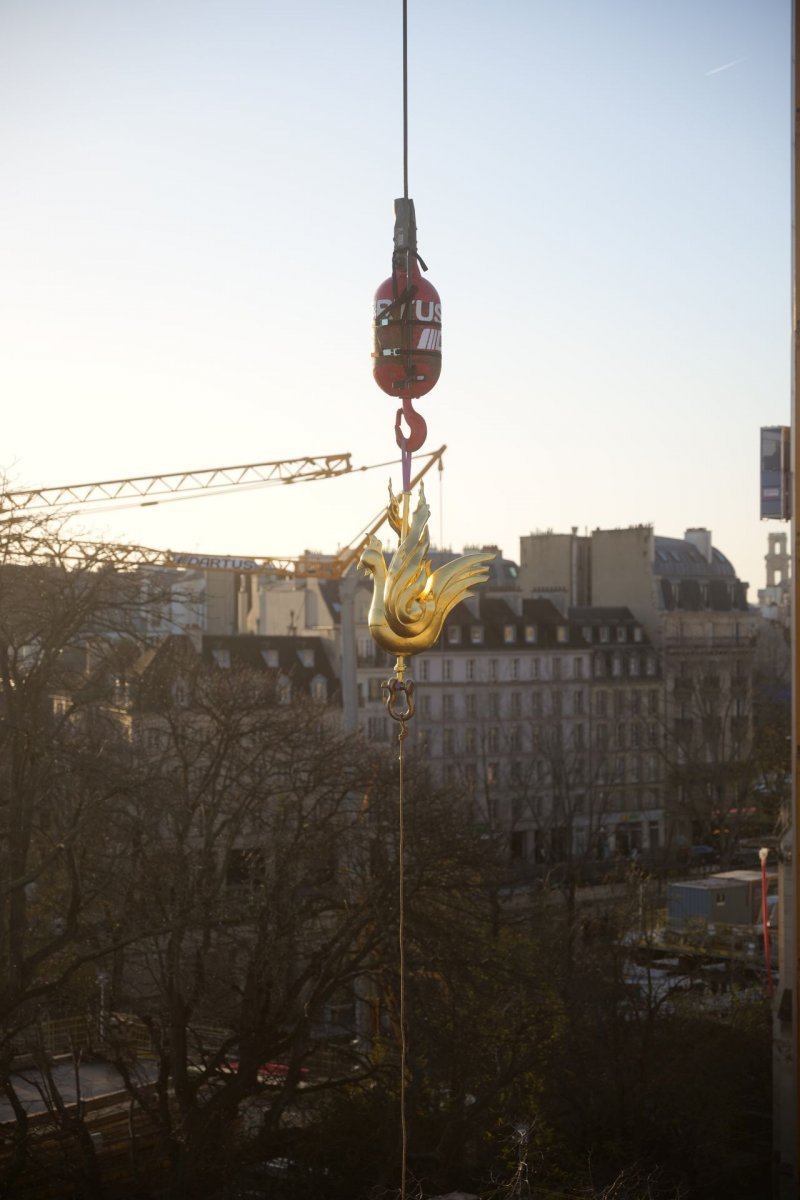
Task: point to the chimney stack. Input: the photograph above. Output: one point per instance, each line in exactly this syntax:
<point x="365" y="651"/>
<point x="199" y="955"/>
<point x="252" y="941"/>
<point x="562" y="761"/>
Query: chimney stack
<point x="701" y="538"/>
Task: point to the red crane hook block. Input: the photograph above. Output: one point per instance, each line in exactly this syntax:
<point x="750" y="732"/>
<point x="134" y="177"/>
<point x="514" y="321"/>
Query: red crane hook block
<point x="407" y="353"/>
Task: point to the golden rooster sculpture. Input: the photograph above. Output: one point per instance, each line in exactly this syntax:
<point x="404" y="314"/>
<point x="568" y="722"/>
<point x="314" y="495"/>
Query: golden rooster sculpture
<point x="409" y="601"/>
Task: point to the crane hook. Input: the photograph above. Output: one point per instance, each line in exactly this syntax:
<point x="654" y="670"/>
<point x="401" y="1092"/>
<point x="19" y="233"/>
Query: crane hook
<point x="417" y="429"/>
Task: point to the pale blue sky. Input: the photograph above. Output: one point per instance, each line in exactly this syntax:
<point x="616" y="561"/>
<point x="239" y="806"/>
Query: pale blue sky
<point x="197" y="207"/>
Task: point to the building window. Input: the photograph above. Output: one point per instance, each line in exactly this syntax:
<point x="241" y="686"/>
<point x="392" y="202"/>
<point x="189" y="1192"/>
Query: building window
<point x="377" y="729"/>
<point x="423" y="670"/>
<point x="515" y="739"/>
<point x="536" y="703"/>
<point x="470" y="669"/>
<point x="531" y="635"/>
<point x="633" y="664"/>
<point x="605" y="633"/>
<point x="651" y="664"/>
<point x="470" y="740"/>
<point x="515" y="704"/>
<point x="556" y="668"/>
<point x="601" y="704"/>
<point x="509" y="634"/>
<point x="621" y="633"/>
<point x="587" y="633"/>
<point x="447" y="741"/>
<point x="447" y="669"/>
<point x="154" y="739"/>
<point x="494" y="739"/>
<point x="562" y="634"/>
<point x="447" y="705"/>
<point x="454" y="635"/>
<point x="515" y="668"/>
<point x="555" y="704"/>
<point x="476" y="635"/>
<point x="425" y="705"/>
<point x="616" y="665"/>
<point x="534" y="668"/>
<point x="494" y="704"/>
<point x="470" y="704"/>
<point x="579" y="668"/>
<point x="493" y="669"/>
<point x="637" y="633"/>
<point x="577" y="703"/>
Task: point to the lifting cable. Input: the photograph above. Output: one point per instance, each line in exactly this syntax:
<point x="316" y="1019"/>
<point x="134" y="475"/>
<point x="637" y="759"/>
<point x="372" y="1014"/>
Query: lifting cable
<point x="402" y="734"/>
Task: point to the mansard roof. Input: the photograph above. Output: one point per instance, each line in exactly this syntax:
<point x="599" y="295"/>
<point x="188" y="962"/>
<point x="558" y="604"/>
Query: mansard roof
<point x="687" y="580"/>
<point x="508" y="623"/>
<point x="678" y="557"/>
<point x="591" y="615"/>
<point x="302" y="658"/>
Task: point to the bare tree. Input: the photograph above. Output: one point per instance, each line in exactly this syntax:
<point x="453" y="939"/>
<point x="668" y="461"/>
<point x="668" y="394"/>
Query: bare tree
<point x="58" y="797"/>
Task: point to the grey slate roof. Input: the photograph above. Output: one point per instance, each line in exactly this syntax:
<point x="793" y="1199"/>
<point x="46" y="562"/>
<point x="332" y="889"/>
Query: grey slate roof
<point x="292" y="655"/>
<point x="677" y="557"/>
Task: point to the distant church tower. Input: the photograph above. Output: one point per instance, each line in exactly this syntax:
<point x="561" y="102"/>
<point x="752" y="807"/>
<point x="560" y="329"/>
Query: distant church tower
<point x="777" y="560"/>
<point x="775" y="597"/>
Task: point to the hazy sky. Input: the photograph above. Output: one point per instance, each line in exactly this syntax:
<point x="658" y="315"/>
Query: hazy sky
<point x="197" y="208"/>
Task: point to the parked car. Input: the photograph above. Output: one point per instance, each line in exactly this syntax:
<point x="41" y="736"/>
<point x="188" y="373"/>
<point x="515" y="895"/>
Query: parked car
<point x="747" y="853"/>
<point x="270" y="1072"/>
<point x="703" y="854"/>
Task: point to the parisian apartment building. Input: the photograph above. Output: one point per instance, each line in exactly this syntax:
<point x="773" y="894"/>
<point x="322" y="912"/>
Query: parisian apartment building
<point x="593" y="700"/>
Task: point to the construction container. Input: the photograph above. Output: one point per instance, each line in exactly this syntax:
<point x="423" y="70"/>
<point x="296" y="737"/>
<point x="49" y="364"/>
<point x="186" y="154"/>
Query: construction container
<point x="729" y="898"/>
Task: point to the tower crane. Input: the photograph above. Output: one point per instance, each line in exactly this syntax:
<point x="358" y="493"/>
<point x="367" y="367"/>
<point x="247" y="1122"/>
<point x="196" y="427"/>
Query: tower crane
<point x="192" y="484"/>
